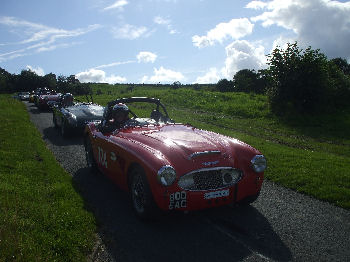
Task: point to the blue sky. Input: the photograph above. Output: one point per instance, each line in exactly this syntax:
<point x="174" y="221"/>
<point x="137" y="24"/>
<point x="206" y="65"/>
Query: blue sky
<point x="152" y="41"/>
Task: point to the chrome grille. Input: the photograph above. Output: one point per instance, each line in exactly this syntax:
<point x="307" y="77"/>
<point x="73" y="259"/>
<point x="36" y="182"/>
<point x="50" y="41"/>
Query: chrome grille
<point x="205" y="180"/>
<point x="210" y="178"/>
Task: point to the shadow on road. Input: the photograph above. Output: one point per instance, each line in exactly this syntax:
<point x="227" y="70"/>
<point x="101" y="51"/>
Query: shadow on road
<point x="54" y="136"/>
<point x="224" y="234"/>
<point x="33" y="109"/>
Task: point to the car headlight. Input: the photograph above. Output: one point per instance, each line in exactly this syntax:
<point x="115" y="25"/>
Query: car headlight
<point x="166" y="175"/>
<point x="259" y="163"/>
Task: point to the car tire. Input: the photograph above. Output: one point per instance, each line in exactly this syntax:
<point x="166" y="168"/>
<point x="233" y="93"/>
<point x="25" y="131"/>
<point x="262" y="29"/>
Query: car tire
<point x="248" y="200"/>
<point x="64" y="129"/>
<point x="54" y="120"/>
<point x="141" y="196"/>
<point x="89" y="154"/>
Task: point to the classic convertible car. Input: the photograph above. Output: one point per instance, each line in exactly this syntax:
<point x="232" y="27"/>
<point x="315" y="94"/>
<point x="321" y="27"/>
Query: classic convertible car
<point x="37" y="93"/>
<point x="71" y="117"/>
<point x="172" y="166"/>
<point x="23" y="96"/>
<point x="45" y="99"/>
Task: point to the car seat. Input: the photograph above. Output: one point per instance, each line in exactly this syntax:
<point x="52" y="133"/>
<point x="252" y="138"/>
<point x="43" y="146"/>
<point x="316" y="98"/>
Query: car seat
<point x="156" y="115"/>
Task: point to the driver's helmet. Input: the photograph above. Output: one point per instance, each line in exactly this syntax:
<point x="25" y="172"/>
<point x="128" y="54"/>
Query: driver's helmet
<point x="67" y="100"/>
<point x="120" y="112"/>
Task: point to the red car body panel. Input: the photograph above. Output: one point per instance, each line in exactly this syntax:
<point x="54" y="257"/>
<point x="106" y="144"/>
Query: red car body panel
<point x="180" y="146"/>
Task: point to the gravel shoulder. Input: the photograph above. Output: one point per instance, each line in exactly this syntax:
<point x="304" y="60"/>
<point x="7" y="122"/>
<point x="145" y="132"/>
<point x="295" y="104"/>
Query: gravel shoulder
<point x="281" y="225"/>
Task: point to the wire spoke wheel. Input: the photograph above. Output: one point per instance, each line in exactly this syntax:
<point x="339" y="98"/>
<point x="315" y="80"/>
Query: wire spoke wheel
<point x="89" y="155"/>
<point x="54" y="120"/>
<point x="138" y="194"/>
<point x="65" y="129"/>
<point x="141" y="195"/>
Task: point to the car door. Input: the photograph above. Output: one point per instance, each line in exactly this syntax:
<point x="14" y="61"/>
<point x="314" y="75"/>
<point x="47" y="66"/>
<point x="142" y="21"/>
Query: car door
<point x="109" y="155"/>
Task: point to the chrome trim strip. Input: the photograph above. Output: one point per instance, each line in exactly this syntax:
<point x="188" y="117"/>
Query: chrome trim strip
<point x="196" y="154"/>
<point x="209" y="169"/>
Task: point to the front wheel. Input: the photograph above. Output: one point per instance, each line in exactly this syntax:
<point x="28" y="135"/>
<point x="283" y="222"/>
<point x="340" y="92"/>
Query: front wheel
<point x="65" y="132"/>
<point x="54" y="120"/>
<point x="141" y="195"/>
<point x="248" y="200"/>
<point x="89" y="154"/>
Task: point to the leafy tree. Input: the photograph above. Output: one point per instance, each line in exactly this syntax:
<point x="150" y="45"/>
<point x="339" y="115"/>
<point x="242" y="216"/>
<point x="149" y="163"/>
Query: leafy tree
<point x="196" y="86"/>
<point x="49" y="81"/>
<point x="62" y="84"/>
<point x="28" y="81"/>
<point x="176" y="85"/>
<point x="248" y="81"/>
<point x="342" y="64"/>
<point x="5" y="81"/>
<point x="339" y="86"/>
<point x="72" y="80"/>
<point x="224" y="85"/>
<point x="304" y="81"/>
<point x="297" y="79"/>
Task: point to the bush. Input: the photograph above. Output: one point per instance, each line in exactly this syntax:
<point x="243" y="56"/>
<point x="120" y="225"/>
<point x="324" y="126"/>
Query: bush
<point x="248" y="81"/>
<point x="224" y="85"/>
<point x="304" y="81"/>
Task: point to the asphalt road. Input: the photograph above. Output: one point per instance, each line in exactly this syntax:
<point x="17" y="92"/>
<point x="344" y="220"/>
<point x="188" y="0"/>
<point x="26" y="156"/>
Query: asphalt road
<point x="281" y="225"/>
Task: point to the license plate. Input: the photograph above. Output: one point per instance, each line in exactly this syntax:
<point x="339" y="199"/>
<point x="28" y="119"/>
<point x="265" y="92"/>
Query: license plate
<point x="216" y="194"/>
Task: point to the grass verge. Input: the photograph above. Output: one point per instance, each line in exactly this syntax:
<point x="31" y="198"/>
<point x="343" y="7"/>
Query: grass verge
<point x="42" y="217"/>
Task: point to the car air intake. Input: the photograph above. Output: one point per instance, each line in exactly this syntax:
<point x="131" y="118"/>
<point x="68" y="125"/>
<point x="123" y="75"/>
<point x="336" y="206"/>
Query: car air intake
<point x="210" y="178"/>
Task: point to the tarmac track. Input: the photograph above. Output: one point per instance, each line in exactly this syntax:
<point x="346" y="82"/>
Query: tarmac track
<point x="281" y="225"/>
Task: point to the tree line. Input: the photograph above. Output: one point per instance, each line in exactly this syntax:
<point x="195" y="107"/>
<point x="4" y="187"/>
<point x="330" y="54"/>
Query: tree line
<point x="296" y="81"/>
<point x="28" y="81"/>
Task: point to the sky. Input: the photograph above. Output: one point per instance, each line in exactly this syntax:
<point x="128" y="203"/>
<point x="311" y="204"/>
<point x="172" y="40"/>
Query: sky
<point x="163" y="41"/>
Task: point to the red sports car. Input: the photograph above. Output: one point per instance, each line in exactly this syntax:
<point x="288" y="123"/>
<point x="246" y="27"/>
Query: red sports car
<point x="172" y="166"/>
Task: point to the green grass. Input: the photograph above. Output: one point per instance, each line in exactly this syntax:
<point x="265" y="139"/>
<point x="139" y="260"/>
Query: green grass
<point x="309" y="154"/>
<point x="42" y="217"/>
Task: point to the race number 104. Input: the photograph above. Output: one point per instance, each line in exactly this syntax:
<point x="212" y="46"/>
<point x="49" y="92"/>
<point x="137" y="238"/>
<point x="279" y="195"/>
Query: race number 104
<point x="177" y="200"/>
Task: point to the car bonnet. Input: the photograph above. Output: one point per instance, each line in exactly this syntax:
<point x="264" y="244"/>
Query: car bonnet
<point x="182" y="140"/>
<point x="86" y="112"/>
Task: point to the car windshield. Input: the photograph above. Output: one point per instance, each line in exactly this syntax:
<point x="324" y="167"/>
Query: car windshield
<point x="137" y="122"/>
<point x="147" y="114"/>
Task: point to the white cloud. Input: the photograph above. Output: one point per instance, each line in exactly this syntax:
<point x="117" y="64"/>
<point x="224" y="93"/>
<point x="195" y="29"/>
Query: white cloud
<point x="243" y="55"/>
<point x="146" y="57"/>
<point x="164" y="76"/>
<point x="282" y="42"/>
<point x="39" y="32"/>
<point x="161" y="21"/>
<point x="322" y="24"/>
<point x="114" y="64"/>
<point x="39" y="37"/>
<point x="112" y="79"/>
<point x="235" y="29"/>
<point x="117" y="5"/>
<point x="256" y="5"/>
<point x="165" y="22"/>
<point x="130" y="32"/>
<point x="39" y="71"/>
<point x="98" y="76"/>
<point x="212" y="76"/>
